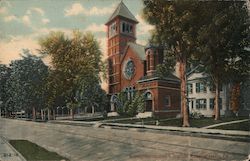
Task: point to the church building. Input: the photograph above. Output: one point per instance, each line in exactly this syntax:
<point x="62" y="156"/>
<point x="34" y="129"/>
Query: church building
<point x="132" y="67"/>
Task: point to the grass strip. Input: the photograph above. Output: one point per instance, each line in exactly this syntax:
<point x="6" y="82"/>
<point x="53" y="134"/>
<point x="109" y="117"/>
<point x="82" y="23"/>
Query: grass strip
<point x="33" y="152"/>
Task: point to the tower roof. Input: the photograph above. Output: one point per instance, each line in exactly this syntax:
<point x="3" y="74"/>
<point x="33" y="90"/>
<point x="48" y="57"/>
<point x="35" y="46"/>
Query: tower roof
<point x="122" y="11"/>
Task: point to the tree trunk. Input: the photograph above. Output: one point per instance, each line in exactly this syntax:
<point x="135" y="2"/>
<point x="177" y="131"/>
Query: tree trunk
<point x="217" y="98"/>
<point x="184" y="109"/>
<point x="54" y="114"/>
<point x="93" y="110"/>
<point x="34" y="114"/>
<point x="42" y="115"/>
<point x="235" y="97"/>
<point x="72" y="113"/>
<point x="48" y="114"/>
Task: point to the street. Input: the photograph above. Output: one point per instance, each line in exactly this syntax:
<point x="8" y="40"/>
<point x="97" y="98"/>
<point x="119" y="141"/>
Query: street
<point x="89" y="143"/>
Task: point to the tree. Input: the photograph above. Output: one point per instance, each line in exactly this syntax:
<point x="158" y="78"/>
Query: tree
<point x="222" y="41"/>
<point x="54" y="88"/>
<point x="73" y="60"/>
<point x="4" y="76"/>
<point x="176" y="25"/>
<point x="130" y="106"/>
<point x="26" y="84"/>
<point x="90" y="95"/>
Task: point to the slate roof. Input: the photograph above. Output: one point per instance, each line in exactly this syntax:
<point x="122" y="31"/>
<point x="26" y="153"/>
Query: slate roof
<point x="138" y="49"/>
<point x="122" y="11"/>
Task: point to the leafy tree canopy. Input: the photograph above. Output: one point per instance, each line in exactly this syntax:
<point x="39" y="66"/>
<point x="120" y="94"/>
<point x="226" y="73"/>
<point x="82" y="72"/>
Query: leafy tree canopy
<point x="76" y="67"/>
<point x="26" y="84"/>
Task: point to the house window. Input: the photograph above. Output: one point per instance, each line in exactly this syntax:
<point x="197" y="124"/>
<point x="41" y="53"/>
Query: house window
<point x="201" y="104"/>
<point x="211" y="103"/>
<point x="200" y="87"/>
<point x="212" y="88"/>
<point x="190" y="88"/>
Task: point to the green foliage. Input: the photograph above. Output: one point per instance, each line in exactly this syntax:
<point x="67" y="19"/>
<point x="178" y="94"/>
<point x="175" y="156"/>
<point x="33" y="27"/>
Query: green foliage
<point x="4" y="76"/>
<point x="55" y="90"/>
<point x="137" y="104"/>
<point x="223" y="40"/>
<point x="131" y="107"/>
<point x="25" y="87"/>
<point x="122" y="103"/>
<point x="90" y="93"/>
<point x="215" y="34"/>
<point x="76" y="62"/>
<point x="176" y="26"/>
<point x="168" y="65"/>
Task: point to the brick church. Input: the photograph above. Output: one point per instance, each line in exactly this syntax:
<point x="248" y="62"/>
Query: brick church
<point x="132" y="67"/>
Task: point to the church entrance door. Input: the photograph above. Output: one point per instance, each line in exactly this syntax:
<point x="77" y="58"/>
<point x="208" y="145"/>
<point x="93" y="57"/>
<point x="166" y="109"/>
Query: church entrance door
<point x="149" y="105"/>
<point x="148" y="101"/>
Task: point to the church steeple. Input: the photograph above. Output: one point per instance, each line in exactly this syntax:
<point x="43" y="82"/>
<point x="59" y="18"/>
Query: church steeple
<point x="121" y="30"/>
<point x="122" y="11"/>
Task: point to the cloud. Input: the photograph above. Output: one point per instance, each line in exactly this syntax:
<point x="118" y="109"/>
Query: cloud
<point x="45" y="20"/>
<point x="143" y="28"/>
<point x="96" y="28"/>
<point x="35" y="9"/>
<point x="74" y="10"/>
<point x="10" y="50"/>
<point x="100" y="11"/>
<point x="26" y="20"/>
<point x="77" y="9"/>
<point x="3" y="10"/>
<point x="10" y="18"/>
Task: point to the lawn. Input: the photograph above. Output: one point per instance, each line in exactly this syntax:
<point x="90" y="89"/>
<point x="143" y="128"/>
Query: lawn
<point x="201" y="122"/>
<point x="243" y="126"/>
<point x="33" y="152"/>
<point x="100" y="118"/>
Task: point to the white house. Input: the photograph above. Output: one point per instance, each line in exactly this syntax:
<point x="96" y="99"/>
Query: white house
<point x="201" y="95"/>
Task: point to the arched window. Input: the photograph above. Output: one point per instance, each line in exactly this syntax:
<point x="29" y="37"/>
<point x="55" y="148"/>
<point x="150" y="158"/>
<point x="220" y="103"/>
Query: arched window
<point x="148" y="96"/>
<point x="148" y="59"/>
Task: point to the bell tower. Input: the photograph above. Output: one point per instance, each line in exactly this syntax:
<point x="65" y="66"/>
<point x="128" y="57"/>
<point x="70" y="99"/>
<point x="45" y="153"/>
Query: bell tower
<point x="121" y="29"/>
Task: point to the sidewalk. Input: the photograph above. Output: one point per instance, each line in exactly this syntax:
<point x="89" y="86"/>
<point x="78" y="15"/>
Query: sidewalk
<point x="8" y="153"/>
<point x="225" y="123"/>
<point x="183" y="129"/>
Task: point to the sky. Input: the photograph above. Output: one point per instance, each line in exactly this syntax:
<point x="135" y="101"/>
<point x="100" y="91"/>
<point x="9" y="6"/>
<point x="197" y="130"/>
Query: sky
<point x="23" y="22"/>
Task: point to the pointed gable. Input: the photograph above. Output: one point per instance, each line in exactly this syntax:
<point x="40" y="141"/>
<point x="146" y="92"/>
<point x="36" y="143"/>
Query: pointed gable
<point x="138" y="49"/>
<point x="122" y="11"/>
